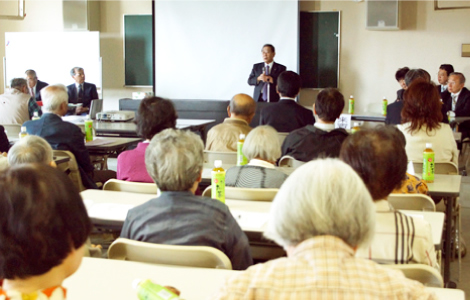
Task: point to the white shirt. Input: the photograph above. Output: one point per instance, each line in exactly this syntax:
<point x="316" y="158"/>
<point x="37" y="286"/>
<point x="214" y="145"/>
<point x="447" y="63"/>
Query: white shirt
<point x="324" y="127"/>
<point x="270" y="66"/>
<point x="261" y="163"/>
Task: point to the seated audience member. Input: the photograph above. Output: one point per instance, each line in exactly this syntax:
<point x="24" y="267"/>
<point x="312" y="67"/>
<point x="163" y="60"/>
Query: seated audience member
<point x="44" y="229"/>
<point x="16" y="105"/>
<point x="34" y="85"/>
<point x="224" y="136"/>
<point x="422" y="117"/>
<point x="81" y="91"/>
<point x="287" y="115"/>
<point x="320" y="139"/>
<point x="174" y="159"/>
<point x="3" y="161"/>
<point x="154" y="115"/>
<point x="63" y="135"/>
<point x="443" y="78"/>
<point x="4" y="143"/>
<point x="320" y="224"/>
<point x="262" y="149"/>
<point x="31" y="149"/>
<point x="400" y="77"/>
<point x="378" y="156"/>
<point x="458" y="101"/>
<point x="395" y="108"/>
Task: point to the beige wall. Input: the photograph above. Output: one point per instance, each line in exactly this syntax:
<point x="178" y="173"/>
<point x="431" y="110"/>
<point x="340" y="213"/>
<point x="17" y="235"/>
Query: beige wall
<point x="369" y="59"/>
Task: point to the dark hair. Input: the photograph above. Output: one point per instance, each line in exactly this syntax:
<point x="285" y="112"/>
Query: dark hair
<point x="329" y="104"/>
<point x="400" y="74"/>
<point x="422" y="106"/>
<point x="378" y="155"/>
<point x="414" y="74"/>
<point x="154" y="115"/>
<point x="270" y="46"/>
<point x="460" y="75"/>
<point x="448" y="68"/>
<point x="42" y="218"/>
<point x="288" y="84"/>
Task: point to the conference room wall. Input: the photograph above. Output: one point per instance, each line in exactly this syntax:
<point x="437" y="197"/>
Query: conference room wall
<point x="369" y="59"/>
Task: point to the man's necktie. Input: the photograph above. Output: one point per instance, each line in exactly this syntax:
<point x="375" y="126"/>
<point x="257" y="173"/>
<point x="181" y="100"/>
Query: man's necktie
<point x="80" y="94"/>
<point x="265" y="88"/>
<point x="32" y="92"/>
<point x="454" y="102"/>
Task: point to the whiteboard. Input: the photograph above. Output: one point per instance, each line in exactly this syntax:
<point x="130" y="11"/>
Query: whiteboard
<point x="52" y="55"/>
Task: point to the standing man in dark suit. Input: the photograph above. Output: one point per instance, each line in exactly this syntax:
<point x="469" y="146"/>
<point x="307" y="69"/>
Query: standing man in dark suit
<point x="81" y="91"/>
<point x="287" y="115"/>
<point x="34" y="85"/>
<point x="264" y="76"/>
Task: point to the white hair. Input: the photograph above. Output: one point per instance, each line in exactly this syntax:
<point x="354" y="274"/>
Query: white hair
<point x="174" y="159"/>
<point x="53" y="96"/>
<point x="322" y="197"/>
<point x="30" y="149"/>
<point x="262" y="142"/>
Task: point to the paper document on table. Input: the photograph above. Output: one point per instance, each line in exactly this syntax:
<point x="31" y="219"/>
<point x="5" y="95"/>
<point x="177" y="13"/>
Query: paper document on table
<point x="250" y="219"/>
<point x="99" y="142"/>
<point x="109" y="211"/>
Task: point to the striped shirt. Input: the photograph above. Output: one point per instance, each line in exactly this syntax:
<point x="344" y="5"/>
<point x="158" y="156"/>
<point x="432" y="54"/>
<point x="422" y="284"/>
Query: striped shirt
<point x="399" y="239"/>
<point x="323" y="267"/>
<point x="255" y="175"/>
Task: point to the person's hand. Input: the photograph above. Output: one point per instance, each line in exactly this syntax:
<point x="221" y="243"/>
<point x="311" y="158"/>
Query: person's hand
<point x="263" y="77"/>
<point x="80" y="110"/>
<point x="269" y="79"/>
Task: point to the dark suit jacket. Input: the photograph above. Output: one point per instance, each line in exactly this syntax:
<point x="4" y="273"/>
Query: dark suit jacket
<point x="63" y="135"/>
<point x="274" y="73"/>
<point x="39" y="86"/>
<point x="400" y="93"/>
<point x="462" y="109"/>
<point x="394" y="113"/>
<point x="286" y="116"/>
<point x="89" y="93"/>
<point x="4" y="143"/>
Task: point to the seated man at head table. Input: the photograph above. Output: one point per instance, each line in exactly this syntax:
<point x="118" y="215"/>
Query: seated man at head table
<point x="320" y="224"/>
<point x="34" y="85"/>
<point x="457" y="102"/>
<point x="287" y="115"/>
<point x="224" y="136"/>
<point x="320" y="139"/>
<point x="63" y="135"/>
<point x="43" y="232"/>
<point x="379" y="157"/>
<point x="16" y="105"/>
<point x="174" y="159"/>
<point x="394" y="109"/>
<point x="154" y="115"/>
<point x="443" y="78"/>
<point x="81" y="91"/>
<point x="262" y="149"/>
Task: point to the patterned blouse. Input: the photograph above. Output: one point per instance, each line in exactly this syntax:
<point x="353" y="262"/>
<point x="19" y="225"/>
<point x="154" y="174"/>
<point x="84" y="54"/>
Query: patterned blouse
<point x="412" y="185"/>
<point x="53" y="293"/>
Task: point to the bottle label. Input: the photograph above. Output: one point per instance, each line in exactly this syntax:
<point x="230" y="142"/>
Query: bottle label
<point x="218" y="185"/>
<point x="241" y="159"/>
<point x="384" y="107"/>
<point x="351" y="106"/>
<point x="88" y="130"/>
<point x="147" y="290"/>
<point x="428" y="166"/>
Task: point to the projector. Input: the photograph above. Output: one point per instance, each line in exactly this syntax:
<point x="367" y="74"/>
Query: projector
<point x="115" y="115"/>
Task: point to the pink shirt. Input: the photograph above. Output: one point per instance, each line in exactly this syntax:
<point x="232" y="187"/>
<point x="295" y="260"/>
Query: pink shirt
<point x="131" y="165"/>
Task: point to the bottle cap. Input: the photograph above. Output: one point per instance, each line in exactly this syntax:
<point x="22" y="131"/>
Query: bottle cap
<point x="135" y="283"/>
<point x="242" y="136"/>
<point x="217" y="163"/>
<point x="351" y="96"/>
<point x="23" y="128"/>
<point x="428" y="145"/>
<point x="385" y="98"/>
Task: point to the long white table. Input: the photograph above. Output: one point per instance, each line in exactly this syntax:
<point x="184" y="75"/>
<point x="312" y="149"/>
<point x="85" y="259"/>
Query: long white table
<point x="99" y="279"/>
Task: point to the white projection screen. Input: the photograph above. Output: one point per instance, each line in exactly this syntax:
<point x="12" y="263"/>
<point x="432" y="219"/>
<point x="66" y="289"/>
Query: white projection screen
<point x="206" y="49"/>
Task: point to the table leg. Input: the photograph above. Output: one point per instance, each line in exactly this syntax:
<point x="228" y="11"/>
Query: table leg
<point x="448" y="236"/>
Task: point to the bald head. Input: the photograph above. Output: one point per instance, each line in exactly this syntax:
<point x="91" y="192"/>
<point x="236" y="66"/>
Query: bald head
<point x="242" y="106"/>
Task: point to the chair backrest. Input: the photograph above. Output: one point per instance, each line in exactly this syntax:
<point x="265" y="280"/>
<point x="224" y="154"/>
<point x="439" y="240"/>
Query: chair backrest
<point x="227" y="158"/>
<point x="12" y="130"/>
<point x="448" y="168"/>
<point x="70" y="168"/>
<point x="289" y="161"/>
<point x="237" y="193"/>
<point x="189" y="256"/>
<point x="132" y="187"/>
<point x="425" y="274"/>
<point x="282" y="136"/>
<point x="412" y="202"/>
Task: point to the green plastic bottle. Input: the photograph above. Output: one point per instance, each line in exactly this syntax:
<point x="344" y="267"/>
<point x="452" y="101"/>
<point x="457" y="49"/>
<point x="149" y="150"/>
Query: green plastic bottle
<point x="88" y="129"/>
<point x="428" y="164"/>
<point x="23" y="132"/>
<point x="147" y="290"/>
<point x="241" y="158"/>
<point x="218" y="181"/>
<point x="384" y="107"/>
<point x="351" y="105"/>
